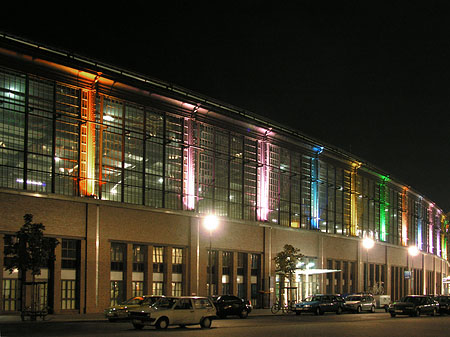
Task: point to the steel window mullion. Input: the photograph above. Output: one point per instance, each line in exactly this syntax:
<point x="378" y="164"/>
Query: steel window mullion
<point x="25" y="141"/>
<point x="122" y="185"/>
<point x="144" y="155"/>
<point x="54" y="140"/>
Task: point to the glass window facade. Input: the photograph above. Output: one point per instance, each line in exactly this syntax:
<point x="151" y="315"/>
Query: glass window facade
<point x="58" y="138"/>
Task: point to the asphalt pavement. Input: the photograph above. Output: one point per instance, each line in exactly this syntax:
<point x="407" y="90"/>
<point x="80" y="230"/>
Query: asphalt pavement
<point x="8" y="318"/>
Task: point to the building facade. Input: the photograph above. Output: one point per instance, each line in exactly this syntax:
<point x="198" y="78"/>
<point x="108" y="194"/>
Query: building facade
<point x="122" y="169"/>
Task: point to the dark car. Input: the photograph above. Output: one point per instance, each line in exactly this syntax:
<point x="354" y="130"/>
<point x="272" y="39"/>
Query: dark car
<point x="231" y="305"/>
<point x="360" y="302"/>
<point x="414" y="305"/>
<point x="319" y="304"/>
<point x="120" y="311"/>
<point x="444" y="303"/>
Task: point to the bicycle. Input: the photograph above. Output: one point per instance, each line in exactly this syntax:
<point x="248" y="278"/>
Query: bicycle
<point x="285" y="308"/>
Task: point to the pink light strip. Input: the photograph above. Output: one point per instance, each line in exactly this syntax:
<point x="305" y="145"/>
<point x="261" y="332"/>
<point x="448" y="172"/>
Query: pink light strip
<point x="430" y="228"/>
<point x="263" y="186"/>
<point x="189" y="167"/>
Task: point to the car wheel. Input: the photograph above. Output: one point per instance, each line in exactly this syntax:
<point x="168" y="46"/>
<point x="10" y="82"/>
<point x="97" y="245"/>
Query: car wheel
<point x="243" y="314"/>
<point x="434" y="312"/>
<point x="358" y="310"/>
<point x="339" y="310"/>
<point x="392" y="314"/>
<point x="372" y="309"/>
<point x="417" y="313"/>
<point x="297" y="313"/>
<point x="162" y="323"/>
<point x="138" y="326"/>
<point x="318" y="311"/>
<point x="206" y="323"/>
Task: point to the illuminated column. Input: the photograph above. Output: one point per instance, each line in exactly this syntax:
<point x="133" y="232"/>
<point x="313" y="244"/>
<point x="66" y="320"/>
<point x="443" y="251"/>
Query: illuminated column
<point x="354" y="201"/>
<point x="263" y="183"/>
<point x="189" y="165"/>
<point x="315" y="216"/>
<point x="87" y="144"/>
<point x="405" y="221"/>
<point x="430" y="228"/>
<point x="383" y="204"/>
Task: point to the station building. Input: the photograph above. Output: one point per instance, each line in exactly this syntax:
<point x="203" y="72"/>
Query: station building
<point x="123" y="169"/>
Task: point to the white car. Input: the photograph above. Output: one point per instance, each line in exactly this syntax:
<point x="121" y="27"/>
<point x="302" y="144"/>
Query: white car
<point x="182" y="311"/>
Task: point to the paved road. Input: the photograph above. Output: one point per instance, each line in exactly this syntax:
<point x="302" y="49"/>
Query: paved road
<point x="346" y="325"/>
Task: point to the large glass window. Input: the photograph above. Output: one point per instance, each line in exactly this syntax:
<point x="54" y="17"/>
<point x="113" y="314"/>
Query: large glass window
<point x="118" y="256"/>
<point x="158" y="259"/>
<point x="68" y="294"/>
<point x="117" y="292"/>
<point x="138" y="258"/>
<point x="11" y="295"/>
<point x="177" y="260"/>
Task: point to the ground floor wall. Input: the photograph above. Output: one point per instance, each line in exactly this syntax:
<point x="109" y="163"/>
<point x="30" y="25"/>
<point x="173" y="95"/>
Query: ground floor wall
<point x="108" y="252"/>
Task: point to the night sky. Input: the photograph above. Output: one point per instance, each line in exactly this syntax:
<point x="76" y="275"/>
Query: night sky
<point x="369" y="77"/>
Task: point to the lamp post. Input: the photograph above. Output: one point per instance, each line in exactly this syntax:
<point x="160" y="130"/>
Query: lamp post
<point x="210" y="223"/>
<point x="368" y="243"/>
<point x="412" y="251"/>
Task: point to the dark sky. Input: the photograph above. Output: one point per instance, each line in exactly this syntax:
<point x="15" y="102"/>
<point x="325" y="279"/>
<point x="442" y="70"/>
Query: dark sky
<point x="369" y="77"/>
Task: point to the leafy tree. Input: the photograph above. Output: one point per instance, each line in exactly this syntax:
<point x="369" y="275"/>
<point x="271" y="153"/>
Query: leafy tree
<point x="286" y="264"/>
<point x="29" y="250"/>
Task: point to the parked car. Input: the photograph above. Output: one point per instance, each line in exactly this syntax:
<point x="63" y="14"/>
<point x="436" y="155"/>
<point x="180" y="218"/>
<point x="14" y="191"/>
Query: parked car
<point x="358" y="303"/>
<point x="414" y="305"/>
<point x="182" y="311"/>
<point x="120" y="311"/>
<point x="444" y="303"/>
<point x="319" y="304"/>
<point x="231" y="305"/>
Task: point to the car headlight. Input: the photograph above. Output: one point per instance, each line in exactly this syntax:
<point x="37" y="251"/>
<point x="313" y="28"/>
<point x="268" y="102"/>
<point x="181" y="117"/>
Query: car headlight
<point x="307" y="306"/>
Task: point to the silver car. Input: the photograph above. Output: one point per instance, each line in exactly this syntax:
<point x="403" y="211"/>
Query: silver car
<point x="182" y="311"/>
<point x="358" y="303"/>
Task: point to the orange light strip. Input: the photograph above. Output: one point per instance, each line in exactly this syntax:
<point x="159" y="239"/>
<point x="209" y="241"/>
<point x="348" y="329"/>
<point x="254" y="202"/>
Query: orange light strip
<point x="87" y="144"/>
<point x="405" y="221"/>
<point x="354" y="200"/>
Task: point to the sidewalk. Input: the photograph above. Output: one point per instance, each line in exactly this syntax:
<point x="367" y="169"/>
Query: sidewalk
<point x="97" y="317"/>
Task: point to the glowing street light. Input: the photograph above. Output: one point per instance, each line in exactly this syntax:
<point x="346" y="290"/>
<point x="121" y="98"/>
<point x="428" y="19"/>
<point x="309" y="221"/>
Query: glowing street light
<point x="210" y="222"/>
<point x="412" y="251"/>
<point x="368" y="243"/>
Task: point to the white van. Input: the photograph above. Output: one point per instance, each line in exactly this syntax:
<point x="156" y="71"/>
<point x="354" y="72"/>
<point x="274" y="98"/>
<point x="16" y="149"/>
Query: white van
<point x="182" y="311"/>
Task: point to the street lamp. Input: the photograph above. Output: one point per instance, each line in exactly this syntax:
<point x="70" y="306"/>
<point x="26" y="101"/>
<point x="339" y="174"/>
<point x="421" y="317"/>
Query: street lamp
<point x="211" y="222"/>
<point x="368" y="243"/>
<point x="412" y="251"/>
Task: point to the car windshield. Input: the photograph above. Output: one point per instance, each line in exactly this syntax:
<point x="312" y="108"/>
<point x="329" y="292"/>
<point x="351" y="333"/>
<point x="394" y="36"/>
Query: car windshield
<point x="410" y="299"/>
<point x="150" y="300"/>
<point x="353" y="298"/>
<point x="312" y="298"/>
<point x="442" y="299"/>
<point x="165" y="303"/>
<point x="134" y="300"/>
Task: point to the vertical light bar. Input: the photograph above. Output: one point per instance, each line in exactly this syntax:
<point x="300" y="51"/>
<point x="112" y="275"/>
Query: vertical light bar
<point x="263" y="184"/>
<point x="444" y="247"/>
<point x="383" y="230"/>
<point x="87" y="143"/>
<point x="430" y="228"/>
<point x="354" y="201"/>
<point x="419" y="226"/>
<point x="405" y="216"/>
<point x="189" y="166"/>
<point x="315" y="216"/>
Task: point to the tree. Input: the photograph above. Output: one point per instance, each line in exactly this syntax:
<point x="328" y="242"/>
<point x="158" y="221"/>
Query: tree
<point x="286" y="264"/>
<point x="29" y="250"/>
